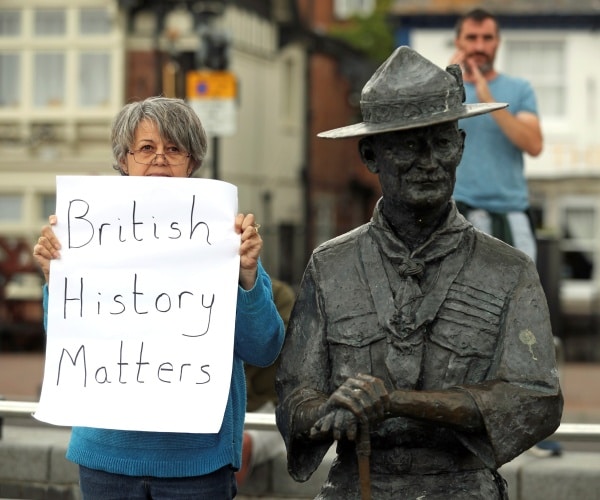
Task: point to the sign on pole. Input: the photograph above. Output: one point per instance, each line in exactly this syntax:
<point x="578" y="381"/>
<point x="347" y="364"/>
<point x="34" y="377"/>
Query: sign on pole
<point x="212" y="94"/>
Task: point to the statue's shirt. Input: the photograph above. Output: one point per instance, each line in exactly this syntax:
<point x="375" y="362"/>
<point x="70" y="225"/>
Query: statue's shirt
<point x="464" y="311"/>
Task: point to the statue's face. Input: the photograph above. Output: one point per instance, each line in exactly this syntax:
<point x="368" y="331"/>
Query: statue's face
<point x="417" y="167"/>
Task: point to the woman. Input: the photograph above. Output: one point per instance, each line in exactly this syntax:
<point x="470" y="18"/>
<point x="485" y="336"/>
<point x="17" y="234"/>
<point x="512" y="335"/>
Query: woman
<point x="164" y="137"/>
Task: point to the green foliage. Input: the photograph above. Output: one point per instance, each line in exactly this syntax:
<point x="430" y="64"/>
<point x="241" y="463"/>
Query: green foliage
<point x="371" y="35"/>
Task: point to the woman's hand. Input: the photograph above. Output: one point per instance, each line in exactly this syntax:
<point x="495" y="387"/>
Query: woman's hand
<point x="250" y="247"/>
<point x="47" y="248"/>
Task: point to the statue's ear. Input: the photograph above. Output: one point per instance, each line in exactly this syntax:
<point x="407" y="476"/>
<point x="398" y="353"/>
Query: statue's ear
<point x="367" y="154"/>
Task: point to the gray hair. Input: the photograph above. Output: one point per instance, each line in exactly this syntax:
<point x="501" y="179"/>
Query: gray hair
<point x="176" y="121"/>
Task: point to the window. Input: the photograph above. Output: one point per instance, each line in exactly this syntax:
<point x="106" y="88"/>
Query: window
<point x="344" y="9"/>
<point x="46" y="52"/>
<point x="49" y="79"/>
<point x="47" y="206"/>
<point x="50" y="22"/>
<point x="11" y="207"/>
<point x="94" y="79"/>
<point x="543" y="63"/>
<point x="10" y="85"/>
<point x="579" y="232"/>
<point x="94" y="22"/>
<point x="10" y="23"/>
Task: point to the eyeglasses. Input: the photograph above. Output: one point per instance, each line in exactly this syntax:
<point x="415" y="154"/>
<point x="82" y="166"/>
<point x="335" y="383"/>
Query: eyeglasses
<point x="147" y="155"/>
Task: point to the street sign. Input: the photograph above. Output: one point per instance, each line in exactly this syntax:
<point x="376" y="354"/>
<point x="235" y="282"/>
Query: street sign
<point x="212" y="94"/>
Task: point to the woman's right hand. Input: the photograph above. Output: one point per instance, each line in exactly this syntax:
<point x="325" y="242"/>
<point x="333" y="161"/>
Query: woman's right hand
<point x="47" y="248"/>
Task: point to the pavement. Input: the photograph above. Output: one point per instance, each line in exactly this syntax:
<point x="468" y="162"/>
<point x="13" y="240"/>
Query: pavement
<point x="21" y="375"/>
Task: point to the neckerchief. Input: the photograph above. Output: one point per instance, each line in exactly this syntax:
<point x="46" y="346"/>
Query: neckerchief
<point x="412" y="309"/>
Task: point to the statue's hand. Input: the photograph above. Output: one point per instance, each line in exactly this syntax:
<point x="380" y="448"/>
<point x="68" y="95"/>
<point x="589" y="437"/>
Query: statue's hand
<point x="338" y="424"/>
<point x="364" y="398"/>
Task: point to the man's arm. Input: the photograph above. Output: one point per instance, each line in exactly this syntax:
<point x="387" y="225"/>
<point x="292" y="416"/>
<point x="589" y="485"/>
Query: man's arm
<point x="522" y="129"/>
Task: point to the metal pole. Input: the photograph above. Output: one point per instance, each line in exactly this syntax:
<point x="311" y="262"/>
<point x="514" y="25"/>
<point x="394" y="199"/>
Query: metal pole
<point x="215" y="157"/>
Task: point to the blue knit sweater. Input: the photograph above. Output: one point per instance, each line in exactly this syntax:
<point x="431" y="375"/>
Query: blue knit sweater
<point x="259" y="335"/>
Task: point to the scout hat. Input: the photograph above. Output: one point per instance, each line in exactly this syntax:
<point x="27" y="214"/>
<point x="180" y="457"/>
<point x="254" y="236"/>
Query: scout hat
<point x="408" y="91"/>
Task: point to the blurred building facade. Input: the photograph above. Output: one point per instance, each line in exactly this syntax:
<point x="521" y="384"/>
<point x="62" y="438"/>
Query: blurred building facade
<point x="553" y="44"/>
<point x="68" y="66"/>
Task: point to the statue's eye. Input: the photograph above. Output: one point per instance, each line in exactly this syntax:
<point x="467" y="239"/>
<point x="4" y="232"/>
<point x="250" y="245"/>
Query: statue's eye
<point x="410" y="145"/>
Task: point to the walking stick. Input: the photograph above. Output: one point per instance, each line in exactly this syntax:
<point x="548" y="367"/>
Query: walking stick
<point x="363" y="452"/>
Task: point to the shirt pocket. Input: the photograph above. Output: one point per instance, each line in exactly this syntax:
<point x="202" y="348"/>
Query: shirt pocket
<point x="350" y="338"/>
<point x="465" y="334"/>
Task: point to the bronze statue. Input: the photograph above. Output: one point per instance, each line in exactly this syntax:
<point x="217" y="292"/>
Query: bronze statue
<point x="422" y="345"/>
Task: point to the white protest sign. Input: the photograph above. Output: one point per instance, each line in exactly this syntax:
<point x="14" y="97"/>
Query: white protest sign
<point x="142" y="304"/>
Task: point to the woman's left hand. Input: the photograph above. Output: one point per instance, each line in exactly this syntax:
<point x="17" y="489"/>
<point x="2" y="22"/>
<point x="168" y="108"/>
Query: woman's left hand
<point x="250" y="247"/>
